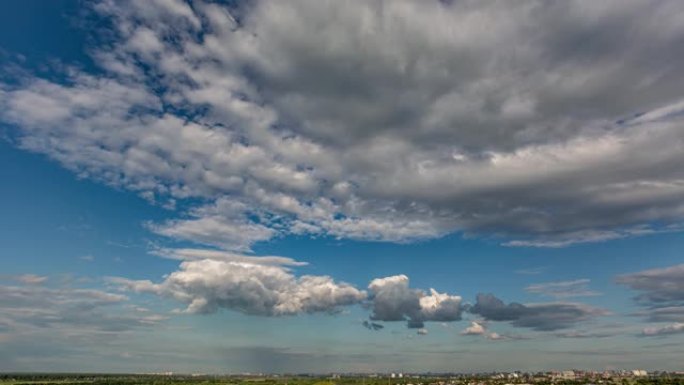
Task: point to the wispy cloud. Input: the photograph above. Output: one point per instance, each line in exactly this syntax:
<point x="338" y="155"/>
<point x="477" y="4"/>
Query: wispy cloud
<point x="563" y="289"/>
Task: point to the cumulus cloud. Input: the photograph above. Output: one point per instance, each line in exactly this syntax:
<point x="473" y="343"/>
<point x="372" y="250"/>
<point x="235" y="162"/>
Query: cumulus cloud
<point x="208" y="285"/>
<point x="541" y="316"/>
<point x="563" y="289"/>
<point x="396" y="121"/>
<point x="495" y="336"/>
<point x="391" y="299"/>
<point x="658" y="287"/>
<point x="475" y="329"/>
<point x="478" y="328"/>
<point x="268" y="287"/>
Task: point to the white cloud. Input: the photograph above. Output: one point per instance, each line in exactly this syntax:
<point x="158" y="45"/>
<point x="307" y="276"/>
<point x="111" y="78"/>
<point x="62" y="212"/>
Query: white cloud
<point x="674" y="328"/>
<point x="32" y="279"/>
<point x="495" y="336"/>
<point x="208" y="285"/>
<point x="210" y="280"/>
<point x="475" y="329"/>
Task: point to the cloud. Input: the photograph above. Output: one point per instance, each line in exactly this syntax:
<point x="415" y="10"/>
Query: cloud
<point x="422" y="332"/>
<point x="584" y="334"/>
<point x="475" y="329"/>
<point x="541" y="317"/>
<point x="208" y="285"/>
<point x="188" y="254"/>
<point x="530" y="271"/>
<point x="32" y="279"/>
<point x="372" y="325"/>
<point x="266" y="286"/>
<point x="391" y="299"/>
<point x="674" y="328"/>
<point x="374" y="127"/>
<point x="659" y="287"/>
<point x="63" y="310"/>
<point x="664" y="314"/>
<point x="478" y="328"/>
<point x="563" y="289"/>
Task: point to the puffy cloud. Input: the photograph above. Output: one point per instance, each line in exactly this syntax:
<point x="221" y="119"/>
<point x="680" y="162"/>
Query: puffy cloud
<point x="397" y="121"/>
<point x="478" y="328"/>
<point x="208" y="285"/>
<point x="563" y="289"/>
<point x="542" y="316"/>
<point x="495" y="336"/>
<point x="674" y="328"/>
<point x="265" y="286"/>
<point x="422" y="332"/>
<point x="659" y="287"/>
<point x="475" y="329"/>
<point x="391" y="299"/>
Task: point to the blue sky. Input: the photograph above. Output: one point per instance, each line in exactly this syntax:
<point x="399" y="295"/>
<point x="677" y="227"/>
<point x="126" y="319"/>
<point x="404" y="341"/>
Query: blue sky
<point x="279" y="186"/>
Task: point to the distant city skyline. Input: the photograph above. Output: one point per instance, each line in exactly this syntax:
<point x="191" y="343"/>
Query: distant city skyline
<point x="341" y="186"/>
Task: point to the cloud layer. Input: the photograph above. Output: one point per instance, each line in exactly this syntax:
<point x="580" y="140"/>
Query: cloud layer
<point x="390" y="121"/>
<point x="662" y="296"/>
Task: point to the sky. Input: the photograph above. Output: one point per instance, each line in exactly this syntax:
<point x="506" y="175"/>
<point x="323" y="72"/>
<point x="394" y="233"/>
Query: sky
<point x="332" y="186"/>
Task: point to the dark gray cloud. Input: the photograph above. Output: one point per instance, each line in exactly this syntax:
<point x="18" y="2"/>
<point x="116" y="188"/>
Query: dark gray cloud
<point x="662" y="296"/>
<point x="372" y="325"/>
<point x="658" y="287"/>
<point x="542" y="317"/>
<point x="663" y="314"/>
<point x="391" y="121"/>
